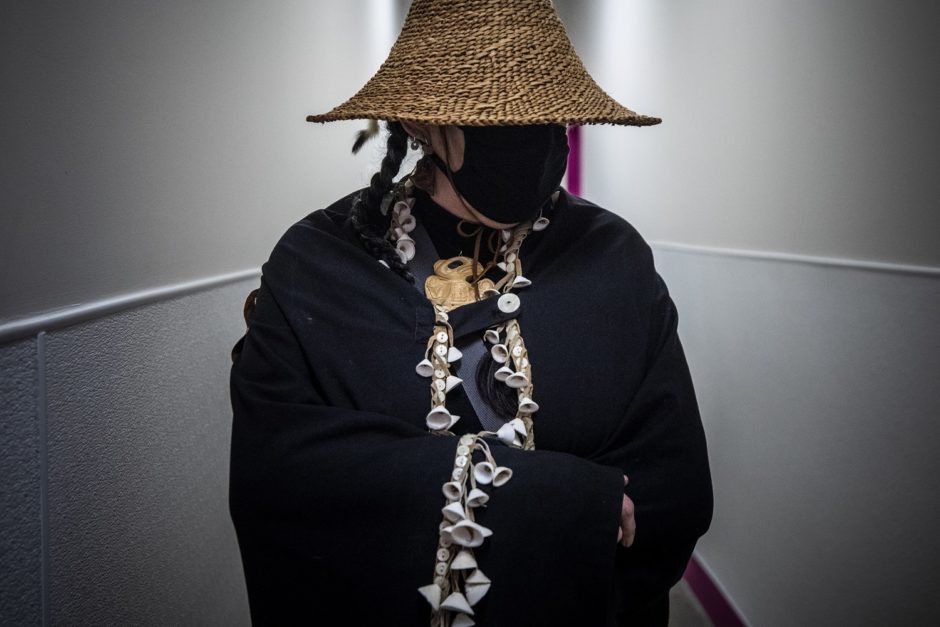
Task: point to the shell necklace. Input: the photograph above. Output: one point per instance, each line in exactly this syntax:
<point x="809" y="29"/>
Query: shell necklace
<point x="458" y="583"/>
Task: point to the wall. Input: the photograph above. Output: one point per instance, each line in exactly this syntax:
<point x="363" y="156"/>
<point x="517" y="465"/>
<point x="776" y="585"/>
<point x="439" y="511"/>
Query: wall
<point x="152" y="143"/>
<point x="153" y="154"/>
<point x="791" y="195"/>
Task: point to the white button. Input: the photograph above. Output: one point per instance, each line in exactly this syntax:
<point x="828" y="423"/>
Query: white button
<point x="445" y="541"/>
<point x="461" y="461"/>
<point x="440" y="374"/>
<point x="508" y="303"/>
<point x="441" y="569"/>
<point x="441" y="350"/>
<point x="441" y="395"/>
<point x="511" y="257"/>
<point x="466" y="439"/>
<point x="439" y="384"/>
<point x="439" y="581"/>
<point x="463" y="450"/>
<point x="457" y="474"/>
<point x="517" y="351"/>
<point x="442" y="337"/>
<point x="443" y="554"/>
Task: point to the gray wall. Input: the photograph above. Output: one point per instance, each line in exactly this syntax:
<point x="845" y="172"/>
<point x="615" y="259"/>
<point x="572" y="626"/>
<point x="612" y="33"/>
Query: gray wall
<point x="152" y="155"/>
<point x="148" y="143"/>
<point x="789" y="191"/>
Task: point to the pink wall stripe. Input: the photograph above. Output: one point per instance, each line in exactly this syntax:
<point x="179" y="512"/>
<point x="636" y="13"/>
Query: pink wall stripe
<point x="714" y="603"/>
<point x="574" y="159"/>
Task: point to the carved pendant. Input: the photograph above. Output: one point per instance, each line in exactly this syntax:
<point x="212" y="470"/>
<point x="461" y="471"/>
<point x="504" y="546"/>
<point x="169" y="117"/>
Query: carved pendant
<point x="450" y="286"/>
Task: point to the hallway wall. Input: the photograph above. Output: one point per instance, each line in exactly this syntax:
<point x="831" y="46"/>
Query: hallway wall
<point x="153" y="143"/>
<point x="791" y="198"/>
<point x="153" y="154"/>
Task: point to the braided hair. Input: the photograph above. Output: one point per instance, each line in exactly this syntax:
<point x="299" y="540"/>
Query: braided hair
<point x="366" y="214"/>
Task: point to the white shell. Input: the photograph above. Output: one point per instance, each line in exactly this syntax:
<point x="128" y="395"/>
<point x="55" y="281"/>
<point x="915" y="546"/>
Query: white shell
<point x="487" y="293"/>
<point x="439" y="418"/>
<point x="517" y="380"/>
<point x="518" y="425"/>
<point x="477" y="497"/>
<point x="503" y="373"/>
<point x="500" y="353"/>
<point x="454" y="512"/>
<point x="383" y="262"/>
<point x="527" y="405"/>
<point x="491" y="336"/>
<point x="463" y="561"/>
<point x="406" y="246"/>
<point x="467" y="533"/>
<point x="476" y="591"/>
<point x="505" y="234"/>
<point x="541" y="224"/>
<point x="483" y="472"/>
<point x="452" y="382"/>
<point x="477" y="576"/>
<point x="401" y="208"/>
<point x="424" y="368"/>
<point x="453" y="355"/>
<point x="502" y="266"/>
<point x="521" y="281"/>
<point x="507" y="434"/>
<point x="462" y="620"/>
<point x="446" y="538"/>
<point x="501" y="476"/>
<point x="452" y="490"/>
<point x="457" y="602"/>
<point x="432" y="592"/>
<point x="408" y="224"/>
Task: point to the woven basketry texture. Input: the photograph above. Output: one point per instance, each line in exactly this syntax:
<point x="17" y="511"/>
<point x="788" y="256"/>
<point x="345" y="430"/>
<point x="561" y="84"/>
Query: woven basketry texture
<point x="481" y="63"/>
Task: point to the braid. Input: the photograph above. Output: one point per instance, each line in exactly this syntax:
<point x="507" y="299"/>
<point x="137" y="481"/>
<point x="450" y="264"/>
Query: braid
<point x="501" y="398"/>
<point x="366" y="216"/>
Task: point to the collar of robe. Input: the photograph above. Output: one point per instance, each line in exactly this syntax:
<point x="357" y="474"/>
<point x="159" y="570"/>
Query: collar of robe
<point x="458" y="583"/>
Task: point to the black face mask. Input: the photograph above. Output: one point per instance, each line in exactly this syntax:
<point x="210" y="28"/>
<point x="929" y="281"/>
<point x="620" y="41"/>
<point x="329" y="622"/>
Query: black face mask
<point x="509" y="172"/>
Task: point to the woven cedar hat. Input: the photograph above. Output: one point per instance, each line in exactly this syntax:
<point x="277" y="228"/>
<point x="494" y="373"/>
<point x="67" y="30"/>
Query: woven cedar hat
<point x="482" y="63"/>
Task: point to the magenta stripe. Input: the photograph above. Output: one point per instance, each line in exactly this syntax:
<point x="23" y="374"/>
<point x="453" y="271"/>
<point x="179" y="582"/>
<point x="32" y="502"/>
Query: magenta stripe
<point x="714" y="603"/>
<point x="574" y="159"/>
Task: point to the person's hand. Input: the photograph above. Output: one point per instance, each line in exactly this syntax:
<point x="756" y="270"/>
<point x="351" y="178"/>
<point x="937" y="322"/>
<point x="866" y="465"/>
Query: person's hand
<point x="627" y="531"/>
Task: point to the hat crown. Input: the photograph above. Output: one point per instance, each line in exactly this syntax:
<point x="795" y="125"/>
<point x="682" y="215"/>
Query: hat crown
<point x="484" y="62"/>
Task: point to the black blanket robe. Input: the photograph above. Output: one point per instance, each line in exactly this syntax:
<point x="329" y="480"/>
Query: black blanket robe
<point x="336" y="482"/>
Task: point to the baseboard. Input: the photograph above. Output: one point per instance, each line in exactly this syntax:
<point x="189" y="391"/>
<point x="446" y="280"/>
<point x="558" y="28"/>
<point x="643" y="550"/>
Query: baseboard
<point x="714" y="600"/>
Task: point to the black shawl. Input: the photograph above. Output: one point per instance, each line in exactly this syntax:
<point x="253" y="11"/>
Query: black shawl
<point x="336" y="482"/>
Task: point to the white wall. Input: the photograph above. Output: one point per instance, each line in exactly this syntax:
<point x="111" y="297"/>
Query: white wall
<point x="153" y="153"/>
<point x="805" y="127"/>
<point x="802" y="135"/>
<point x="146" y="143"/>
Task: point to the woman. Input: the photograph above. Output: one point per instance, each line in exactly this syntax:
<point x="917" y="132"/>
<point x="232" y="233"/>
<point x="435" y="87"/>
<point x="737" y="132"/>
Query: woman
<point x="446" y="380"/>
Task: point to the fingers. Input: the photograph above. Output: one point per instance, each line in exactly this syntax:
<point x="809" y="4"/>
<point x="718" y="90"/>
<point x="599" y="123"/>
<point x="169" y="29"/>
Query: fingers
<point x="627" y="522"/>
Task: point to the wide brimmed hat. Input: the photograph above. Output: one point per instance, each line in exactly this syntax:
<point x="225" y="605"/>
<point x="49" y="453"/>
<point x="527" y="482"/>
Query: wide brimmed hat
<point x="483" y="63"/>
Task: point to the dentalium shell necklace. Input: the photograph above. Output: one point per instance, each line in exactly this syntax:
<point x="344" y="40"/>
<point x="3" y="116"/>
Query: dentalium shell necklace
<point x="458" y="583"/>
